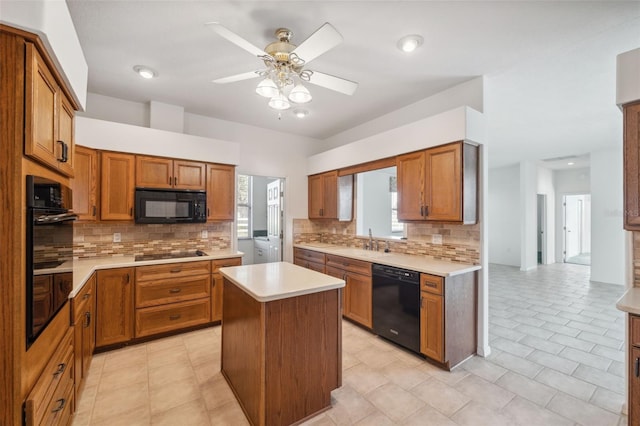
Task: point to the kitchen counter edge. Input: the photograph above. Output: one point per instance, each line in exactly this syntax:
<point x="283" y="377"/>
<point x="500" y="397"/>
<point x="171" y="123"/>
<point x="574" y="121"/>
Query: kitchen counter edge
<point x="82" y="269"/>
<point x="421" y="264"/>
<point x="630" y="301"/>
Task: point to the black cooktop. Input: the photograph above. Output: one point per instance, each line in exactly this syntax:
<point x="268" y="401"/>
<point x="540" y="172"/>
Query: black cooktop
<point x="174" y="255"/>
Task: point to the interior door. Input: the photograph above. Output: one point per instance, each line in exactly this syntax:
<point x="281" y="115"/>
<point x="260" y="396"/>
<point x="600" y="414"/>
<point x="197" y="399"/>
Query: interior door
<point x="274" y="220"/>
<point x="572" y="225"/>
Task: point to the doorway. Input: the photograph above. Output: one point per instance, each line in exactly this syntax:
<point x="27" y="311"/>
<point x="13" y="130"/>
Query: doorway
<point x="577" y="229"/>
<point x="260" y="207"/>
<point x="542" y="229"/>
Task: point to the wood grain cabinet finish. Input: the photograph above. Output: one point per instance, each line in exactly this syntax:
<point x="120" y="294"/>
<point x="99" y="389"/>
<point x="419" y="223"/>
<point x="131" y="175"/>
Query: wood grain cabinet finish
<point x="83" y="322"/>
<point x="439" y="184"/>
<point x="114" y="306"/>
<point x="448" y="321"/>
<point x="158" y="172"/>
<point x="49" y="116"/>
<point x="51" y="400"/>
<point x="220" y="192"/>
<point x="357" y="293"/>
<point x="117" y="185"/>
<point x="85" y="183"/>
<point x="217" y="285"/>
<point x="634" y="370"/>
<point x="171" y="297"/>
<point x="309" y="259"/>
<point x="323" y="195"/>
<point x="632" y="167"/>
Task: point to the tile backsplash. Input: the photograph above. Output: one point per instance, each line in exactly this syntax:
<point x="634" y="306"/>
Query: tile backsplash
<point x="460" y="243"/>
<point x="636" y="259"/>
<point x="96" y="239"/>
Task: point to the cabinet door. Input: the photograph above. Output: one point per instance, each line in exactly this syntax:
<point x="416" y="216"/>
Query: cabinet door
<point x="358" y="301"/>
<point x="117" y="186"/>
<point x="154" y="172"/>
<point x="66" y="136"/>
<point x="634" y="386"/>
<point x="443" y="183"/>
<point x="632" y="167"/>
<point x="85" y="183"/>
<point x="41" y="103"/>
<point x="220" y="192"/>
<point x="316" y="196"/>
<point x="410" y="170"/>
<point x="216" y="297"/>
<point x="330" y="195"/>
<point x="432" y="326"/>
<point x="114" y="306"/>
<point x="341" y="274"/>
<point x="189" y="175"/>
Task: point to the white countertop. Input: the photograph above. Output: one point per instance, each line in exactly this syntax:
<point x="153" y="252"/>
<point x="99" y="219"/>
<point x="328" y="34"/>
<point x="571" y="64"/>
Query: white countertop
<point x="406" y="261"/>
<point x="82" y="269"/>
<point x="630" y="301"/>
<point x="266" y="282"/>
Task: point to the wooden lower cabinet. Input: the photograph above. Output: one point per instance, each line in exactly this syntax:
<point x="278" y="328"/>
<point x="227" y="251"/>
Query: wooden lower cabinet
<point x="357" y="294"/>
<point x="172" y="316"/>
<point x="51" y="401"/>
<point x="114" y="306"/>
<point x="309" y="259"/>
<point x="634" y="370"/>
<point x="448" y="318"/>
<point x="83" y="322"/>
<point x="217" y="285"/>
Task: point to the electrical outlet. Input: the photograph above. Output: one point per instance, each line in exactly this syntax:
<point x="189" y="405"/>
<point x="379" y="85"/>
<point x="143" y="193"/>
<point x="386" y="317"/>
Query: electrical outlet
<point x="436" y="239"/>
<point x="334" y="230"/>
<point x="117" y="237"/>
<point x="204" y="234"/>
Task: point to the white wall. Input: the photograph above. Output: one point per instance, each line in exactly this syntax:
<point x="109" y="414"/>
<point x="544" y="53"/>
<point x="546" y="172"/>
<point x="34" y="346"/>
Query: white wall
<point x="607" y="233"/>
<point x="628" y="77"/>
<point x="117" y="110"/>
<point x="504" y="215"/>
<point x="567" y="182"/>
<point x="545" y="187"/>
<point x="528" y="225"/>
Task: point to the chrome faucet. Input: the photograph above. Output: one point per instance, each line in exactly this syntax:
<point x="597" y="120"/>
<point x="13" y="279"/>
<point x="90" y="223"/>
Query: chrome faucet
<point x="370" y="240"/>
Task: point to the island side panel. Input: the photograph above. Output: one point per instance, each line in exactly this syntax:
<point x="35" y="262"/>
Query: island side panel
<point x="461" y="318"/>
<point x="303" y="355"/>
<point x="243" y="350"/>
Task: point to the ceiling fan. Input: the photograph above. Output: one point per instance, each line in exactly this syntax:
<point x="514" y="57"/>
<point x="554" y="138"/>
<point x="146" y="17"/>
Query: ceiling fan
<point x="285" y="65"/>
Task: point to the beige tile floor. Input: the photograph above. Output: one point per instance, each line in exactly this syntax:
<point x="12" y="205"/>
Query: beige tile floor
<point x="557" y="360"/>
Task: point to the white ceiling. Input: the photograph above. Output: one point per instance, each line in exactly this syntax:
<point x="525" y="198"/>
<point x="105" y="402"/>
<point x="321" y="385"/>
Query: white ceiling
<point x="549" y="66"/>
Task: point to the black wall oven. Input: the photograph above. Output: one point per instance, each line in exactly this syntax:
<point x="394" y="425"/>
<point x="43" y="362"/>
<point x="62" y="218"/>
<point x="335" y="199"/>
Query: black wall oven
<point x="49" y="242"/>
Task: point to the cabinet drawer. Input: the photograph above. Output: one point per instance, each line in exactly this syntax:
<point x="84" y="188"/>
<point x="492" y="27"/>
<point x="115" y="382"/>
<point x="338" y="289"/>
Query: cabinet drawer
<point x="151" y="293"/>
<point x="314" y="266"/>
<point x="52" y="384"/>
<point x="634" y="330"/>
<point x="172" y="270"/>
<point x="82" y="300"/>
<point x="222" y="263"/>
<point x="310" y="255"/>
<point x="58" y="411"/>
<point x="351" y="265"/>
<point x="175" y="316"/>
<point x="431" y="283"/>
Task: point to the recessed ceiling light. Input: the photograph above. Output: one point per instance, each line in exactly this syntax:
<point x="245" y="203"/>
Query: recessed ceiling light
<point x="145" y="72"/>
<point x="301" y="113"/>
<point x="570" y="163"/>
<point x="410" y="43"/>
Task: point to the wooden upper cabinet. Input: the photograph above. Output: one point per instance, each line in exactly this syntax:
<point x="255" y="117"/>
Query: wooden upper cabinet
<point x="49" y="116"/>
<point x="323" y="196"/>
<point x="85" y="183"/>
<point x="158" y="172"/>
<point x="439" y="184"/>
<point x="220" y="192"/>
<point x="117" y="186"/>
<point x="632" y="167"/>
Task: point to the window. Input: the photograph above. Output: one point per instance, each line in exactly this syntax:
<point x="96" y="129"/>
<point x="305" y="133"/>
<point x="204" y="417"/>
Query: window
<point x="243" y="202"/>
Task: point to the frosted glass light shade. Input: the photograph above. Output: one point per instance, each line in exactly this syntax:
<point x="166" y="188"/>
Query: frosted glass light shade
<point x="279" y="102"/>
<point x="267" y="88"/>
<point x="300" y="94"/>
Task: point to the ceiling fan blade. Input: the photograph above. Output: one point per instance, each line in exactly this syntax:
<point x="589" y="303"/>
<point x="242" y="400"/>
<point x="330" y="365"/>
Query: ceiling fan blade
<point x="323" y="39"/>
<point x="334" y="83"/>
<point x="237" y="77"/>
<point x="235" y="39"/>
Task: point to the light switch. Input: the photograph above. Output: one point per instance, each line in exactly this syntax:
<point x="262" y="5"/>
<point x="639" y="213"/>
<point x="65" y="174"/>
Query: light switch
<point x="436" y="239"/>
<point x="117" y="237"/>
<point x="204" y="234"/>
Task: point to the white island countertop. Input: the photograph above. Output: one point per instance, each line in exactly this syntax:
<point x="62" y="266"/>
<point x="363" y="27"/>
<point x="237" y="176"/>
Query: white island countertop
<point x="266" y="282"/>
<point x="423" y="264"/>
<point x="630" y="301"/>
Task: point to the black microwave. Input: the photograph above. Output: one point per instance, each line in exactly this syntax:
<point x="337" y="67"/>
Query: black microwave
<point x="170" y="206"/>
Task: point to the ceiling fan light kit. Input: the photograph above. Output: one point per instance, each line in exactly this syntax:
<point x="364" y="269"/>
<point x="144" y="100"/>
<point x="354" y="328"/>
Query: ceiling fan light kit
<point x="285" y="64"/>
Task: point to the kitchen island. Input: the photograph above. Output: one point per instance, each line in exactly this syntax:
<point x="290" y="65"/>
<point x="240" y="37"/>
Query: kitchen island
<point x="281" y="340"/>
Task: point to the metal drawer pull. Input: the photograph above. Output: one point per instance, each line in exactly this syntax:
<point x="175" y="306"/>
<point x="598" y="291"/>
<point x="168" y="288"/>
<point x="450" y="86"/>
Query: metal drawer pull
<point x="86" y="296"/>
<point x="175" y="290"/>
<point x="174" y="317"/>
<point x="637" y="367"/>
<point x="428" y="284"/>
<point x="176" y="271"/>
<point x="61" y="403"/>
<point x="60" y="370"/>
<point x="87" y="316"/>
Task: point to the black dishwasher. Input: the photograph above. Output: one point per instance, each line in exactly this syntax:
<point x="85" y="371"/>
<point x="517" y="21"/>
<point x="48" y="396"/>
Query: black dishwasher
<point x="396" y="305"/>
